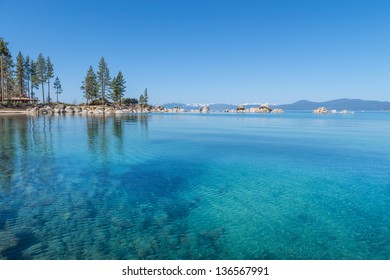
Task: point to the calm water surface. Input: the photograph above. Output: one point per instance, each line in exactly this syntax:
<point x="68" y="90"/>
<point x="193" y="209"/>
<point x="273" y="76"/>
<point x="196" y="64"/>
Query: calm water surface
<point x="183" y="186"/>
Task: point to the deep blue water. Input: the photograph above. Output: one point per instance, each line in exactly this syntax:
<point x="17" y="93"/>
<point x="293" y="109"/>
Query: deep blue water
<point x="195" y="186"/>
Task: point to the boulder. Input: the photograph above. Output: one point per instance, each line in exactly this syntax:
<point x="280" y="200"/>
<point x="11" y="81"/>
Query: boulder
<point x="77" y="109"/>
<point x="60" y="106"/>
<point x="254" y="110"/>
<point x="69" y="109"/>
<point x="240" y="108"/>
<point x="264" y="109"/>
<point x="43" y="111"/>
<point x="277" y="111"/>
<point x="320" y="110"/>
<point x="204" y="109"/>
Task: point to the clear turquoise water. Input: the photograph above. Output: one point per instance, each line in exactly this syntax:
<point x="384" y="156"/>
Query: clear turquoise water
<point x="182" y="186"/>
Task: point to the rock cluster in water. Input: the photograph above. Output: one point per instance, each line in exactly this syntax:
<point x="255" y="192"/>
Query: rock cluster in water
<point x="321" y="110"/>
<point x="85" y="109"/>
<point x="260" y="109"/>
<point x="66" y="109"/>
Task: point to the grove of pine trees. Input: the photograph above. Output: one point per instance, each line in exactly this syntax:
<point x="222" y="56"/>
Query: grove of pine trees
<point x="21" y="78"/>
<point x="100" y="86"/>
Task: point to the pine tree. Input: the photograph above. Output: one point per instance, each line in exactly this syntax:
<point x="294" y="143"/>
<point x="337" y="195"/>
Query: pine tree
<point x="103" y="79"/>
<point x="20" y="74"/>
<point x="41" y="73"/>
<point x="58" y="87"/>
<point x="90" y="85"/>
<point x="49" y="75"/>
<point x="6" y="70"/>
<point x="27" y="73"/>
<point x="142" y="100"/>
<point x="34" y="77"/>
<point x="146" y="97"/>
<point x="118" y="88"/>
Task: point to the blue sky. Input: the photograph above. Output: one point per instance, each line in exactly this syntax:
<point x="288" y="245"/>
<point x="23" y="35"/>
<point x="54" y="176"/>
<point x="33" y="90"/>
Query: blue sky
<point x="212" y="51"/>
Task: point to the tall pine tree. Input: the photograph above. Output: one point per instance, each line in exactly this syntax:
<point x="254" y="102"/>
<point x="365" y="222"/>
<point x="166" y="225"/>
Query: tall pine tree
<point x="90" y="86"/>
<point x="34" y="78"/>
<point x="103" y="79"/>
<point x="49" y="75"/>
<point x="118" y="88"/>
<point x="146" y="97"/>
<point x="27" y="74"/>
<point x="41" y="73"/>
<point x="20" y="74"/>
<point x="57" y="87"/>
<point x="6" y="70"/>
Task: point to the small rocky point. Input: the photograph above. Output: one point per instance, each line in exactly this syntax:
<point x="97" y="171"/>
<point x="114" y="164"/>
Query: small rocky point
<point x="321" y="110"/>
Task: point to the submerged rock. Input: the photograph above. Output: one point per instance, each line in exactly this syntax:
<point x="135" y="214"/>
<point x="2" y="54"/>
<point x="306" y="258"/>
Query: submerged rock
<point x="7" y="240"/>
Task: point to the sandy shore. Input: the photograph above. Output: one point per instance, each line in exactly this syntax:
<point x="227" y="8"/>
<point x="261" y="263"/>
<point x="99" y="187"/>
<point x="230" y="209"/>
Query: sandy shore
<point x="13" y="111"/>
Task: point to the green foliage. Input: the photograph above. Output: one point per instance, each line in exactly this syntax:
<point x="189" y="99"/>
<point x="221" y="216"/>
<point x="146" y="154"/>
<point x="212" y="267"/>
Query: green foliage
<point x="118" y="88"/>
<point x="20" y="74"/>
<point x="41" y="73"/>
<point x="142" y="99"/>
<point x="57" y="87"/>
<point x="103" y="78"/>
<point x="34" y="77"/>
<point x="90" y="86"/>
<point x="6" y="70"/>
<point x="49" y="69"/>
<point x="49" y="75"/>
<point x="146" y="97"/>
<point x="27" y="73"/>
<point x="100" y="102"/>
<point x="129" y="101"/>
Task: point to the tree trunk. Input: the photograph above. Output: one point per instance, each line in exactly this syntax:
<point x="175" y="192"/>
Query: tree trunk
<point x="48" y="91"/>
<point x="28" y="88"/>
<point x="43" y="93"/>
<point x="2" y="82"/>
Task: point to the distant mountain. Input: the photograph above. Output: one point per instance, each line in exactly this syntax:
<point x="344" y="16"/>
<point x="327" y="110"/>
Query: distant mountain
<point x="338" y="104"/>
<point x="184" y="106"/>
<point x="216" y="107"/>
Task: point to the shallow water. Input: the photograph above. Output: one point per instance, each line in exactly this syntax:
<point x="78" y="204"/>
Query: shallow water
<point x="193" y="186"/>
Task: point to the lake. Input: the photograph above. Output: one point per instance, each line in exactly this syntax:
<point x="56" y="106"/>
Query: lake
<point x="195" y="186"/>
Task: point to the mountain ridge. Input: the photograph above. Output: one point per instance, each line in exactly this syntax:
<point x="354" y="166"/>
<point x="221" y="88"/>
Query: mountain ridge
<point x="336" y="104"/>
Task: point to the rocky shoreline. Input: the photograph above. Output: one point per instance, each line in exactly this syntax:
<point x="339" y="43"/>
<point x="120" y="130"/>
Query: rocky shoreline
<point x="99" y="110"/>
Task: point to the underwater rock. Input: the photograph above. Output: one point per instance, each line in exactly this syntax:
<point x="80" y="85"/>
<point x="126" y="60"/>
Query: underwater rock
<point x="7" y="240"/>
<point x="144" y="246"/>
<point x="161" y="218"/>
